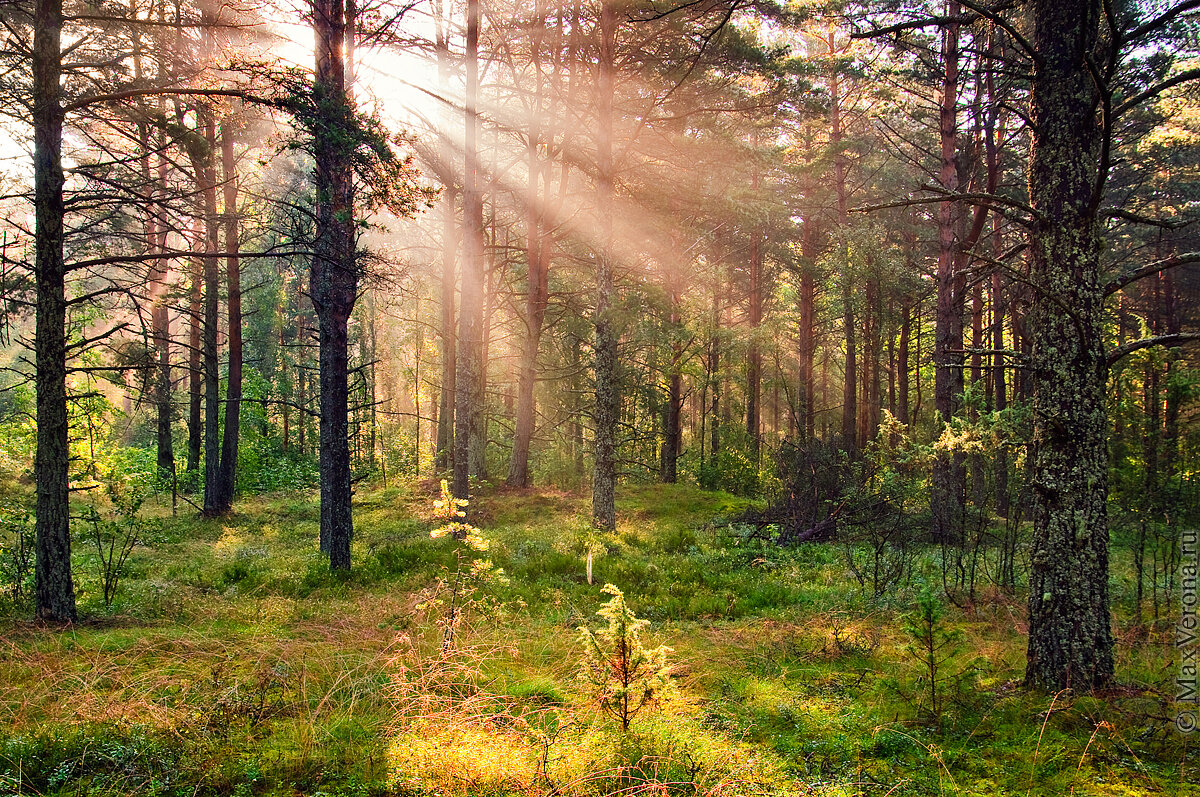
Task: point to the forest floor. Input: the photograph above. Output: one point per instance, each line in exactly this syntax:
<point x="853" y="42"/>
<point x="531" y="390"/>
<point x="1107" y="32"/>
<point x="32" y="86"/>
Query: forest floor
<point x="231" y="662"/>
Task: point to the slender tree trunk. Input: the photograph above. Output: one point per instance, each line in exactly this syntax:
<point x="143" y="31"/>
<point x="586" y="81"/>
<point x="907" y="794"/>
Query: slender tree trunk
<point x="902" y="362"/>
<point x="54" y="590"/>
<point x="161" y="330"/>
<point x="948" y="482"/>
<point x="444" y="454"/>
<point x="714" y="371"/>
<point x="538" y="285"/>
<point x="206" y="179"/>
<point x="1151" y="394"/>
<point x="840" y="173"/>
<point x="753" y="353"/>
<point x="233" y="389"/>
<point x="1000" y="390"/>
<point x="1070" y="640"/>
<point x="1174" y="391"/>
<point x="808" y="350"/>
<point x="978" y="478"/>
<point x="672" y="427"/>
<point x="608" y="399"/>
<point x="468" y="396"/>
<point x="195" y="372"/>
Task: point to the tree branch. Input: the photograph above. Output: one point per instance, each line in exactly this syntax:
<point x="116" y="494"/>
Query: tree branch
<point x="1155" y="90"/>
<point x="1118" y="353"/>
<point x="1160" y="21"/>
<point x="1153" y="268"/>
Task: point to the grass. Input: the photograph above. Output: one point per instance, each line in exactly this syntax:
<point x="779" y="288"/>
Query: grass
<point x="233" y="663"/>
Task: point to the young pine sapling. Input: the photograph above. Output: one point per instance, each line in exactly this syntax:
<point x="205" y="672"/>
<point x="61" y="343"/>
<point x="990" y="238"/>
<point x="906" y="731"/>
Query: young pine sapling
<point x="624" y="675"/>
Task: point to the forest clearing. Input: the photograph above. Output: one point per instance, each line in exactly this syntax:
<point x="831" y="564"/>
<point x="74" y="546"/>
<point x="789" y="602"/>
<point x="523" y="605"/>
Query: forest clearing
<point x="232" y="662"/>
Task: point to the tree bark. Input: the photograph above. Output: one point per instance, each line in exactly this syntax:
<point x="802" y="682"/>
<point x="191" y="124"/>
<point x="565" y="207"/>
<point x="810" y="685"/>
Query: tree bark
<point x="841" y="168"/>
<point x="206" y="183"/>
<point x="333" y="282"/>
<point x="468" y="378"/>
<point x="54" y="589"/>
<point x="608" y="399"/>
<point x="537" y="280"/>
<point x="1070" y="640"/>
<point x="948" y="480"/>
<point x="806" y="404"/>
<point x="753" y="353"/>
<point x="195" y="372"/>
<point x="902" y="362"/>
<point x="672" y="414"/>
<point x="233" y="389"/>
<point x="444" y="453"/>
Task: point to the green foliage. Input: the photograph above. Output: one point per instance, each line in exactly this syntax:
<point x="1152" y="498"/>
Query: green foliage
<point x="18" y="428"/>
<point x="93" y="760"/>
<point x="932" y="644"/>
<point x="731" y="469"/>
<point x="625" y="677"/>
<point x="460" y="589"/>
<point x="116" y="533"/>
<point x="16" y="551"/>
<point x="260" y="679"/>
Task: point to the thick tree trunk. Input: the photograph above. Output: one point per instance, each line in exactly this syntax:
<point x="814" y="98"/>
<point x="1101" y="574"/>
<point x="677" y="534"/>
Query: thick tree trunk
<point x="469" y="368"/>
<point x="608" y="399"/>
<point x="333" y="282"/>
<point x="1070" y="640"/>
<point x="54" y="590"/>
<point x="233" y="389"/>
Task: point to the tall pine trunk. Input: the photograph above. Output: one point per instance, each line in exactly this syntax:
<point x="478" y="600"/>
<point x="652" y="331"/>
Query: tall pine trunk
<point x="948" y="481"/>
<point x="608" y="400"/>
<point x="444" y="449"/>
<point x="206" y="180"/>
<point x="1070" y="639"/>
<point x="468" y="378"/>
<point x="537" y="282"/>
<point x="333" y="281"/>
<point x="54" y="590"/>
<point x="227" y="479"/>
<point x="195" y="423"/>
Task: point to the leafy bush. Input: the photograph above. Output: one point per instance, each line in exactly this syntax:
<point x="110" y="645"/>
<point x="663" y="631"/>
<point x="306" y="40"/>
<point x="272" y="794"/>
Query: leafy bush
<point x="730" y="469"/>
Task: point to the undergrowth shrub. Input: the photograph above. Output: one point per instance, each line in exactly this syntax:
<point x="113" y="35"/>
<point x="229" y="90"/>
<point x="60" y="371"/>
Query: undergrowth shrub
<point x="625" y="677"/>
<point x="459" y="591"/>
<point x="109" y="759"/>
<point x="115" y="533"/>
<point x="16" y="552"/>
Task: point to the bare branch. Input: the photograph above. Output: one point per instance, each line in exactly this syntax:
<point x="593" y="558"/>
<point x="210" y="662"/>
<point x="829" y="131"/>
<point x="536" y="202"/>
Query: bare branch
<point x="1153" y="268"/>
<point x="1118" y="353"/>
